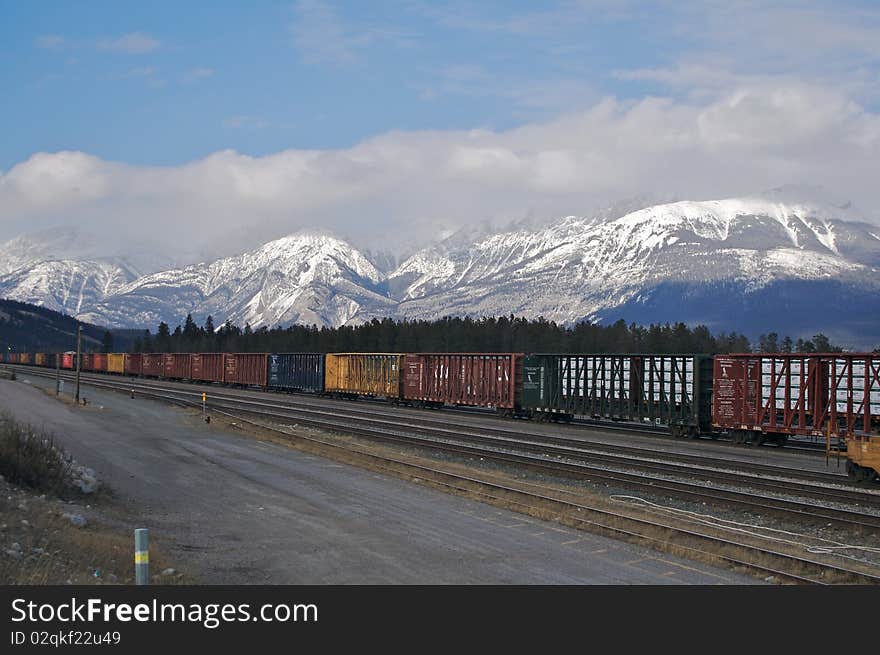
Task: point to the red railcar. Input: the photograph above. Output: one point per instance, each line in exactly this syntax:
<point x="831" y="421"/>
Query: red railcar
<point x="177" y="366"/>
<point x="207" y="367"/>
<point x="479" y="379"/>
<point x="152" y="365"/>
<point x="68" y="360"/>
<point x="134" y="364"/>
<point x="245" y="368"/>
<point x="770" y="396"/>
<point x="99" y="363"/>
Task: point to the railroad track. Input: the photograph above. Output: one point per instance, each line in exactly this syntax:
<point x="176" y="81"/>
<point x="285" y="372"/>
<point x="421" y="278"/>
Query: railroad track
<point x="485" y="423"/>
<point x="525" y="497"/>
<point x="558" y="456"/>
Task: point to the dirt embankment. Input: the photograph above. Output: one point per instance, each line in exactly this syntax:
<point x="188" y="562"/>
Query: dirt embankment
<point x="58" y="524"/>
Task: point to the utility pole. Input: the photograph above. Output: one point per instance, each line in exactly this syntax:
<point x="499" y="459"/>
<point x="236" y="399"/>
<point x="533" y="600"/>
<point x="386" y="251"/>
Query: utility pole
<point x="78" y="358"/>
<point x="57" y="373"/>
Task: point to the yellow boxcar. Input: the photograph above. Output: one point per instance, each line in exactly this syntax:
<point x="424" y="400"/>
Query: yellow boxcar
<point x="41" y="359"/>
<point x="364" y="374"/>
<point x="116" y="363"/>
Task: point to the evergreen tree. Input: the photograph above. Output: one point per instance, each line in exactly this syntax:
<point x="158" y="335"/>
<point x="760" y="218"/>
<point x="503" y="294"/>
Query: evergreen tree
<point x="107" y="342"/>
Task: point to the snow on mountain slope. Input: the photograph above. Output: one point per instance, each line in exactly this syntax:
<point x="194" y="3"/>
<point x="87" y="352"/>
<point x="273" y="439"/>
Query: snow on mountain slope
<point x="65" y="286"/>
<point x="707" y="260"/>
<point x="581" y="268"/>
<point x="303" y="278"/>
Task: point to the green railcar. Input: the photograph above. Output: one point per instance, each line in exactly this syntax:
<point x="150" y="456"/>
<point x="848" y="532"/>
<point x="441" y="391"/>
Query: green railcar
<point x="669" y="390"/>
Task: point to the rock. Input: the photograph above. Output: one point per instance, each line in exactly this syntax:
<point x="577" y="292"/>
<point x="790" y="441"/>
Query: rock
<point x="112" y="577"/>
<point x="14" y="554"/>
<point x="26" y="523"/>
<point x="15" y="545"/>
<point x="169" y="572"/>
<point x="22" y="506"/>
<point x="76" y="520"/>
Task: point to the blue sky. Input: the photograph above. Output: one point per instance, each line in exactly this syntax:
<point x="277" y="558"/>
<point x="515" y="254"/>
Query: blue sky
<point x="170" y="84"/>
<point x="192" y="78"/>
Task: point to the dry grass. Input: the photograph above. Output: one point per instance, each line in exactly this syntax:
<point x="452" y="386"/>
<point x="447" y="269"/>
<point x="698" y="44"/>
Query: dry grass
<point x="30" y="458"/>
<point x="51" y="550"/>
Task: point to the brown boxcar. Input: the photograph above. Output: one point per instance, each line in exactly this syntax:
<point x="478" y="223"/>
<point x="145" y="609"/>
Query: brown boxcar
<point x="116" y="363"/>
<point x="99" y="362"/>
<point x="68" y="360"/>
<point x="770" y="396"/>
<point x="245" y="368"/>
<point x="25" y="358"/>
<point x="87" y="361"/>
<point x="207" y="367"/>
<point x="478" y="379"/>
<point x="176" y="366"/>
<point x="152" y="365"/>
<point x="134" y="364"/>
<point x="364" y="374"/>
<point x="41" y="359"/>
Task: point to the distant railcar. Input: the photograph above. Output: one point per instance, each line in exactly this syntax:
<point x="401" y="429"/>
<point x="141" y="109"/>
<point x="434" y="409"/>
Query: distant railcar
<point x="68" y="361"/>
<point x="134" y="364"/>
<point x="248" y="369"/>
<point x="364" y="374"/>
<point x="41" y="359"/>
<point x="492" y="380"/>
<point x="207" y="367"/>
<point x="116" y="363"/>
<point x="152" y="365"/>
<point x="177" y="366"/>
<point x="99" y="363"/>
<point x="670" y="390"/>
<point x="296" y="372"/>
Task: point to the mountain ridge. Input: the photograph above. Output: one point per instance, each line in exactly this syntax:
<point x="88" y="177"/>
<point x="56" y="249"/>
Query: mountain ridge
<point x="567" y="270"/>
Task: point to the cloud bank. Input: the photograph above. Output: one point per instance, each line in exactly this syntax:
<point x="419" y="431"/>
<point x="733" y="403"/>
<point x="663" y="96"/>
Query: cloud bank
<point x="410" y="186"/>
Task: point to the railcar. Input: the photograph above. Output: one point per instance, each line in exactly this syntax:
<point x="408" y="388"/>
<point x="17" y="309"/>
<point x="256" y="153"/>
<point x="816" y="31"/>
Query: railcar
<point x="177" y="366"/>
<point x="670" y="390"/>
<point x="207" y="367"/>
<point x="134" y="364"/>
<point x="834" y="396"/>
<point x="492" y="380"/>
<point x="364" y="374"/>
<point x="245" y="369"/>
<point x="296" y="372"/>
<point x="116" y="363"/>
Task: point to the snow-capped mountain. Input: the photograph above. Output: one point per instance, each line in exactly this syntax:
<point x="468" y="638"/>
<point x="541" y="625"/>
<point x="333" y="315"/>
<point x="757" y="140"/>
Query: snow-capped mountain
<point x="70" y="287"/>
<point x="781" y="261"/>
<point x="696" y="261"/>
<point x="304" y="278"/>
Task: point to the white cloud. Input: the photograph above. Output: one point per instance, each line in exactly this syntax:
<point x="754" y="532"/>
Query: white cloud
<point x="403" y="185"/>
<point x="135" y="43"/>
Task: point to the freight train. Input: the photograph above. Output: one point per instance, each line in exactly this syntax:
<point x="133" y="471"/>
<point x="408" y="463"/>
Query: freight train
<point x="754" y="397"/>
